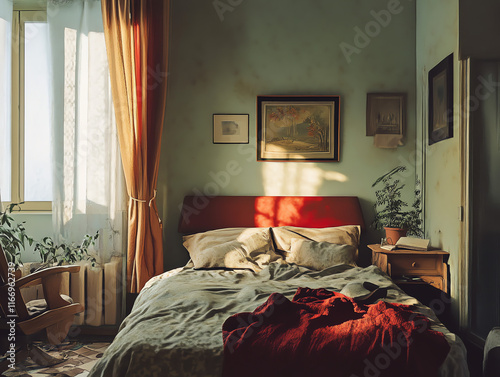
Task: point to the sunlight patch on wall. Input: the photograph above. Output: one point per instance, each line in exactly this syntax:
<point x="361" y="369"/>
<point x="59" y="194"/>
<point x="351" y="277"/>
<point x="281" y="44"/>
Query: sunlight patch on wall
<point x="296" y="178"/>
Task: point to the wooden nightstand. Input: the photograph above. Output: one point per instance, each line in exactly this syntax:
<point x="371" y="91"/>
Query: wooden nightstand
<point x="429" y="266"/>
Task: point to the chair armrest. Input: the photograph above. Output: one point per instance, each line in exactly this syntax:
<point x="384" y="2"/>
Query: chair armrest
<point x="42" y="274"/>
<point x="50" y="317"/>
<point x="491" y="360"/>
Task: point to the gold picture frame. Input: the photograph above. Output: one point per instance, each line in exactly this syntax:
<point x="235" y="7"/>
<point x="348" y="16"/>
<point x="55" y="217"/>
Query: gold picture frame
<point x="298" y="128"/>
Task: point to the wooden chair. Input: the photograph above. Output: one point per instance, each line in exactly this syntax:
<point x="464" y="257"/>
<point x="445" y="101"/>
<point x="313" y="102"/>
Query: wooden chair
<point x="491" y="360"/>
<point x="54" y="314"/>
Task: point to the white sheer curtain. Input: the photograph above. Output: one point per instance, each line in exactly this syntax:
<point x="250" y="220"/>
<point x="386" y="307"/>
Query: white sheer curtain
<point x="5" y="97"/>
<point x="89" y="189"/>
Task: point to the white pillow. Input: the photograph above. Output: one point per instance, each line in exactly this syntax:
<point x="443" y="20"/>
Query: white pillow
<point x="234" y="248"/>
<point x="320" y="255"/>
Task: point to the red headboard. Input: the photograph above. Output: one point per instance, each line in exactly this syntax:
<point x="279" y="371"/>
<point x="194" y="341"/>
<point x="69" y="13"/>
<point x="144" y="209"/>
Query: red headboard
<point x="201" y="213"/>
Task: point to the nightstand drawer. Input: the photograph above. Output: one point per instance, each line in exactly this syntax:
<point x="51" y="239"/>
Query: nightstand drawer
<point x="435" y="281"/>
<point x="413" y="264"/>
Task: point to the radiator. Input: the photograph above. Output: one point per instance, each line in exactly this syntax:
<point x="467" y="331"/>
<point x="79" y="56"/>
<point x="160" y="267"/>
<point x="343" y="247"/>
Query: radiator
<point x="98" y="289"/>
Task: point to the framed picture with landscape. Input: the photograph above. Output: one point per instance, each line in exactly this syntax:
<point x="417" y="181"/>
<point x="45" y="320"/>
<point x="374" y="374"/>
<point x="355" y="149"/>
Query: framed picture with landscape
<point x="298" y="128"/>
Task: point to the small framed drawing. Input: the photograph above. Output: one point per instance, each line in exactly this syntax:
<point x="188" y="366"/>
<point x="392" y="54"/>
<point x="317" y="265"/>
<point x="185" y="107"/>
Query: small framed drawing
<point x="230" y="128"/>
<point x="441" y="101"/>
<point x="385" y="113"/>
<point x="298" y="128"/>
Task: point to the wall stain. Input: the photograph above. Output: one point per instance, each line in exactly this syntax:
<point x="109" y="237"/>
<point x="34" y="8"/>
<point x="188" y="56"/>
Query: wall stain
<point x="244" y="88"/>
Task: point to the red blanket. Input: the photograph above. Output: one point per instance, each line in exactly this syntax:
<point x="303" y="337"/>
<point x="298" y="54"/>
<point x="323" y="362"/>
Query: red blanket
<point x="323" y="333"/>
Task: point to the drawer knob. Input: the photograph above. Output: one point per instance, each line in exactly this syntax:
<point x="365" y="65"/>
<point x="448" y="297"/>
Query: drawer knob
<point x="414" y="264"/>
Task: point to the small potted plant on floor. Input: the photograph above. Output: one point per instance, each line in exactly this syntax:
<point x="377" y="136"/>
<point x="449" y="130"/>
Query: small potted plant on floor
<point x="392" y="213"/>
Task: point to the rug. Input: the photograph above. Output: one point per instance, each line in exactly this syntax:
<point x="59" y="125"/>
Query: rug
<point x="78" y="359"/>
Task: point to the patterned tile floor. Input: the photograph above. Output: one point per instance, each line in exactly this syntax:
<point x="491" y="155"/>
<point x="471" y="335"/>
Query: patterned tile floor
<point x="78" y="359"/>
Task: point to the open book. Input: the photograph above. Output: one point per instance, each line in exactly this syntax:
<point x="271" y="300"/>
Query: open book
<point x="411" y="243"/>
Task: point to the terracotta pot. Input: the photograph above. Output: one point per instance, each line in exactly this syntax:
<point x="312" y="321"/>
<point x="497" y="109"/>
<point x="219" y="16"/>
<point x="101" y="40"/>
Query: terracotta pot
<point x="394" y="234"/>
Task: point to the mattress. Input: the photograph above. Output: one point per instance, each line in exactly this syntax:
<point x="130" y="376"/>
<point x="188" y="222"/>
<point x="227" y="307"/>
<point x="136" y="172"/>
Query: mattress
<point x="175" y="326"/>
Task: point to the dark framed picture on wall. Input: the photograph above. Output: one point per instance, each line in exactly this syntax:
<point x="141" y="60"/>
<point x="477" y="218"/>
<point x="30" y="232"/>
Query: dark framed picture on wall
<point x="441" y="101"/>
<point x="298" y="128"/>
<point x="385" y="113"/>
<point x="230" y="128"/>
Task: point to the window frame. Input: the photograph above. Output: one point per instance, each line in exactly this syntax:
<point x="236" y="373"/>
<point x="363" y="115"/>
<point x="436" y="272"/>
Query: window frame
<point x="19" y="19"/>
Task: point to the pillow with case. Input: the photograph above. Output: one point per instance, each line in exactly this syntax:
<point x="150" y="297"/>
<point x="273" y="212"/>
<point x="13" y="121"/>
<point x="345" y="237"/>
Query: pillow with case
<point x="343" y="235"/>
<point x="320" y="255"/>
<point x="233" y="248"/>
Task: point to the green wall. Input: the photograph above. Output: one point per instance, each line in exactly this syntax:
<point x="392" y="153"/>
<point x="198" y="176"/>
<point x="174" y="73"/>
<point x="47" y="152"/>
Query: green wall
<point x="219" y="63"/>
<point x="437" y="37"/>
<point x="38" y="226"/>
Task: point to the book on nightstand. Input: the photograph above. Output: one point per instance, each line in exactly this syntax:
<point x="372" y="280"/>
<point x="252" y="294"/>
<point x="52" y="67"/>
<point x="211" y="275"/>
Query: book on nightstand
<point x="410" y="243"/>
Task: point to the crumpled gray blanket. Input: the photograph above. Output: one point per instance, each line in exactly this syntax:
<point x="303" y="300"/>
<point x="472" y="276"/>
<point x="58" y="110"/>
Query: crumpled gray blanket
<point x="175" y="327"/>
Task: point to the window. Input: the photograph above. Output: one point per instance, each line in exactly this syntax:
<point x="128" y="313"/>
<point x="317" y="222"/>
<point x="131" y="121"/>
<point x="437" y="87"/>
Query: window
<point x="5" y="99"/>
<point x="29" y="178"/>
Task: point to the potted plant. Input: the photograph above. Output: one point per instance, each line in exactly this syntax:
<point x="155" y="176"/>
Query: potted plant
<point x="13" y="238"/>
<point x="391" y="211"/>
<point x="64" y="253"/>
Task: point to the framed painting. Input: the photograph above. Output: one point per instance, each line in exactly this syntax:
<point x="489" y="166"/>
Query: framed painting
<point x="385" y="113"/>
<point x="230" y="129"/>
<point x="298" y="128"/>
<point x="441" y="101"/>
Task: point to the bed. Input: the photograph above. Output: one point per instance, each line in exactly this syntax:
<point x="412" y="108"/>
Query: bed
<point x="175" y="326"/>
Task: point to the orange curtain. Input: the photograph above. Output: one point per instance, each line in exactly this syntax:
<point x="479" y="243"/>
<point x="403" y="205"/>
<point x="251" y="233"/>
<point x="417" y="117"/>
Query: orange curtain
<point x="136" y="35"/>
